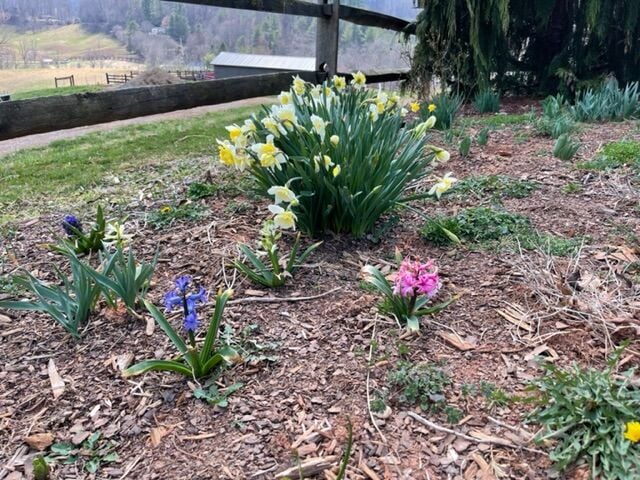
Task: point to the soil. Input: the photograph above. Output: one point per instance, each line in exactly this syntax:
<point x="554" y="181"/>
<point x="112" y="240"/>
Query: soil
<point x="298" y="407"/>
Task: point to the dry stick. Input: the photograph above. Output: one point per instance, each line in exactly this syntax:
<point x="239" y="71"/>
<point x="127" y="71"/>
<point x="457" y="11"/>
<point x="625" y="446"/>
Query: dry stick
<point x="375" y="424"/>
<point x="505" y="443"/>
<point x="281" y="299"/>
<point x="131" y="467"/>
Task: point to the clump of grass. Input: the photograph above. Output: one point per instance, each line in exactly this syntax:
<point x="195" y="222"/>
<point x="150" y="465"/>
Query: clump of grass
<point x="571" y="188"/>
<point x="199" y="190"/>
<point x="615" y="155"/>
<point x="494" y="186"/>
<point x="487" y="101"/>
<point x="496" y="121"/>
<point x="482" y="225"/>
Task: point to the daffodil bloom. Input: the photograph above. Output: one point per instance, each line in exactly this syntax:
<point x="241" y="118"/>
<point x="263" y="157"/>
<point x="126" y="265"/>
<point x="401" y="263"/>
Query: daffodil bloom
<point x="422" y="128"/>
<point x="284" y="219"/>
<point x="283" y="195"/>
<point x="441" y="155"/>
<point x="316" y="92"/>
<point x="415" y="107"/>
<point x="319" y="125"/>
<point x="335" y="139"/>
<point x="268" y="154"/>
<point x="234" y="131"/>
<point x="328" y="92"/>
<point x="432" y="108"/>
<point x="632" y="432"/>
<point x="287" y="115"/>
<point x="248" y="127"/>
<point x="359" y="80"/>
<point x="373" y="112"/>
<point x="273" y="126"/>
<point x="442" y="185"/>
<point x="227" y="152"/>
<point x="403" y="112"/>
<point x="326" y="161"/>
<point x="339" y="82"/>
<point x="299" y="85"/>
<point x="166" y="209"/>
<point x="285" y="98"/>
<point x="394" y="98"/>
<point x="336" y="171"/>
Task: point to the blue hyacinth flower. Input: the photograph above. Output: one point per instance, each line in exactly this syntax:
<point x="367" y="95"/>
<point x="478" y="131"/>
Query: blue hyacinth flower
<point x="71" y="225"/>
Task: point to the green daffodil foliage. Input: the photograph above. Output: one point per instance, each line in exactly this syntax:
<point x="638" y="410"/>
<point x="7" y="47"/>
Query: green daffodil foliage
<point x="342" y="149"/>
<point x="193" y="360"/>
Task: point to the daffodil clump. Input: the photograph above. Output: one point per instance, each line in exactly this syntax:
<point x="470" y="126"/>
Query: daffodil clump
<point x="334" y="156"/>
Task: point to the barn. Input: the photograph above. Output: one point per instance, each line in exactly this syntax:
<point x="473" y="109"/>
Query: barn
<point x="229" y="64"/>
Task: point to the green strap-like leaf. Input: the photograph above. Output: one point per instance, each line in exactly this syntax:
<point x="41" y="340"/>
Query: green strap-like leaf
<point x="214" y="325"/>
<point x="158" y="366"/>
<point x="166" y="327"/>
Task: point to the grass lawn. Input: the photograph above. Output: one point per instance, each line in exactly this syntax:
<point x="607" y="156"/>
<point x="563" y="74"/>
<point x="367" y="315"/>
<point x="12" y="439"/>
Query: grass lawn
<point x="44" y="179"/>
<point x="50" y="92"/>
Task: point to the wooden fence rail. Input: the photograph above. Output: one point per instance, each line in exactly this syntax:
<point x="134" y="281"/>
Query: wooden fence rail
<point x="39" y="115"/>
<point x="71" y="79"/>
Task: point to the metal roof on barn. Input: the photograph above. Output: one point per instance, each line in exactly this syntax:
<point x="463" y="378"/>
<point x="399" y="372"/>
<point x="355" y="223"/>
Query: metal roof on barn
<point x="270" y="62"/>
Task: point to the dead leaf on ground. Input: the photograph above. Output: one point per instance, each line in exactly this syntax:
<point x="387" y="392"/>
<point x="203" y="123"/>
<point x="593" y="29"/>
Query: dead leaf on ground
<point x="39" y="441"/>
<point x="156" y="435"/>
<point x="453" y="339"/>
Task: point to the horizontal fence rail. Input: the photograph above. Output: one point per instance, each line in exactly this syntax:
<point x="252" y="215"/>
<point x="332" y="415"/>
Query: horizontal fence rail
<point x="47" y="114"/>
<point x="355" y="15"/>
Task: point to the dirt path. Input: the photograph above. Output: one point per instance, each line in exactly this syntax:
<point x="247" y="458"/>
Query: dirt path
<point x="42" y="139"/>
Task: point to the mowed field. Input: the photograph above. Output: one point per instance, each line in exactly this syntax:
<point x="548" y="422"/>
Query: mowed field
<point x="62" y="43"/>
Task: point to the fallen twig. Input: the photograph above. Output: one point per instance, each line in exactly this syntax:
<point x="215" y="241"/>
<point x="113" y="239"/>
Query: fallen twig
<point x="373" y="420"/>
<point x="494" y="441"/>
<point x="280" y="299"/>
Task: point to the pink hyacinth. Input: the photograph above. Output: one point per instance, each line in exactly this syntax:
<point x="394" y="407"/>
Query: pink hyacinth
<point x="415" y="278"/>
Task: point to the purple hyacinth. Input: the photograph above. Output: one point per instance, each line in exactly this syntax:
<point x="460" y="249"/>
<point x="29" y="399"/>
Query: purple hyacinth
<point x="179" y="298"/>
<point x="71" y="224"/>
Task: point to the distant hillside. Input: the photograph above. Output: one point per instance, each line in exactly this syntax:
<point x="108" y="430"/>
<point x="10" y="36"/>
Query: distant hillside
<point x="56" y="43"/>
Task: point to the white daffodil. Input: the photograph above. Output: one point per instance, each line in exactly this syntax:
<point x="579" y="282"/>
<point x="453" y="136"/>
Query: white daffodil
<point x="443" y="184"/>
<point x="336" y="171"/>
<point x="340" y="83"/>
<point x="319" y="125"/>
<point x="441" y="154"/>
<point x="283" y="195"/>
<point x="284" y="219"/>
<point x="373" y="112"/>
<point x="273" y="126"/>
<point x="421" y="129"/>
<point x="287" y="115"/>
<point x="268" y="154"/>
<point x="334" y="139"/>
<point x="248" y="127"/>
<point x="234" y="131"/>
<point x="359" y="80"/>
<point x="285" y="98"/>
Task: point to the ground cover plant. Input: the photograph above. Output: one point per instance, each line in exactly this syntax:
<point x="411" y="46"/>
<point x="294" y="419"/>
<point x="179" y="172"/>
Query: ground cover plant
<point x="324" y="378"/>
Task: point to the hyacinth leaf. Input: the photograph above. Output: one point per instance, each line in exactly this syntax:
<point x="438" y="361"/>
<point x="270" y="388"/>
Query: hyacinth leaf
<point x="294" y="260"/>
<point x="157" y="366"/>
<point x="378" y="280"/>
<point x="193" y="359"/>
<point x="413" y="325"/>
<point x="214" y="325"/>
<point x="262" y="274"/>
<point x="436" y="308"/>
<point x="166" y="327"/>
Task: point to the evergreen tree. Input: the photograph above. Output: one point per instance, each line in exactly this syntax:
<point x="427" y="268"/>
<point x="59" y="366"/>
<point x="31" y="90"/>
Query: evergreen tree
<point x="178" y="26"/>
<point x="527" y="45"/>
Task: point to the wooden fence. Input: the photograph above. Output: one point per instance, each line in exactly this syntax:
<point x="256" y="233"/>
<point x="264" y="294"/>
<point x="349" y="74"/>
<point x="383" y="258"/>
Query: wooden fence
<point x="26" y="117"/>
<point x="119" y="78"/>
<point x="71" y="79"/>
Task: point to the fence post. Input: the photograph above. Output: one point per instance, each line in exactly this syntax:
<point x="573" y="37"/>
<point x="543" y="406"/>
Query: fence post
<point x="327" y="38"/>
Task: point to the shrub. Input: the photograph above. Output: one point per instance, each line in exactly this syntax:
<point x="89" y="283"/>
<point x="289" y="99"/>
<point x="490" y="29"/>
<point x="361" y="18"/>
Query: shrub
<point x="415" y="285"/>
<point x="342" y="149"/>
<point x="565" y="148"/>
<point x="447" y="106"/>
<point x="193" y="362"/>
<point x="487" y="101"/>
<point x="585" y="412"/>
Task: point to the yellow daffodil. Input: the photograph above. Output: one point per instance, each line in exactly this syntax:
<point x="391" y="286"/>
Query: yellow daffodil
<point x="319" y="125"/>
<point x="380" y="106"/>
<point x="394" y="98"/>
<point x="299" y="85"/>
<point x="335" y="139"/>
<point x="432" y="108"/>
<point x="268" y="154"/>
<point x="336" y="171"/>
<point x="273" y="126"/>
<point x="287" y="115"/>
<point x="283" y="195"/>
<point x="442" y="185"/>
<point x="441" y="155"/>
<point x="359" y="80"/>
<point x="284" y="219"/>
<point x="328" y="92"/>
<point x="285" y="98"/>
<point x="234" y="131"/>
<point x="339" y="82"/>
<point x="166" y="209"/>
<point x="227" y="153"/>
<point x="632" y="432"/>
<point x="415" y="107"/>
